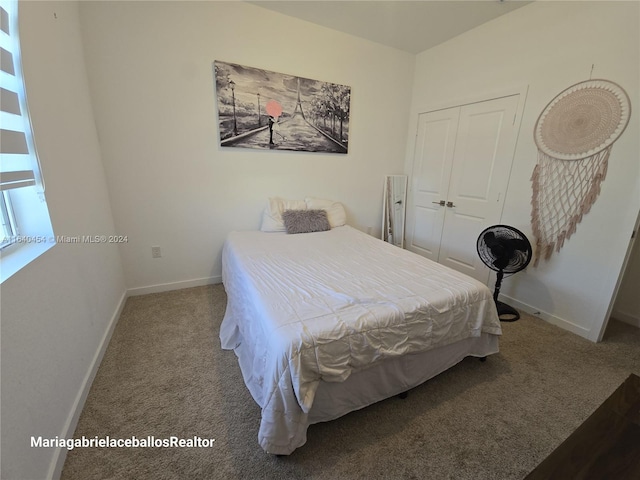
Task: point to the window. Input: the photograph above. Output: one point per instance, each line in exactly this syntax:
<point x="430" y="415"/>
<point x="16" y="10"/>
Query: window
<point x="26" y="227"/>
<point x="8" y="221"/>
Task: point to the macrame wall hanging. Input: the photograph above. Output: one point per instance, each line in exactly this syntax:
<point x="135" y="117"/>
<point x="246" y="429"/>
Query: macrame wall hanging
<point x="574" y="135"/>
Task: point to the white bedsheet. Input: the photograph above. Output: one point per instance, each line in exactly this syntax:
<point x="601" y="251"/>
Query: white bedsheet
<point x="319" y="306"/>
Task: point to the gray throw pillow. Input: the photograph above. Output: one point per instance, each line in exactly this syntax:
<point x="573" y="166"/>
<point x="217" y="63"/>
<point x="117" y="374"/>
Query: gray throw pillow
<point x="305" y="221"/>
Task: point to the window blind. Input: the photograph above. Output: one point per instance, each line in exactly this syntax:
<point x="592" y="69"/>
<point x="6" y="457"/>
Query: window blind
<point x="18" y="160"/>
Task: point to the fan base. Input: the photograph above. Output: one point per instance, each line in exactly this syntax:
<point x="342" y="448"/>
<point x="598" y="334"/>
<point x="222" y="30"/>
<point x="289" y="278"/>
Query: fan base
<point x="506" y="313"/>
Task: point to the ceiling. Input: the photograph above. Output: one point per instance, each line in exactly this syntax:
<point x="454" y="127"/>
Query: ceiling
<point x="412" y="26"/>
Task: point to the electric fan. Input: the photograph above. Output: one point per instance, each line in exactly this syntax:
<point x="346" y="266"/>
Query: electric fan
<point x="505" y="250"/>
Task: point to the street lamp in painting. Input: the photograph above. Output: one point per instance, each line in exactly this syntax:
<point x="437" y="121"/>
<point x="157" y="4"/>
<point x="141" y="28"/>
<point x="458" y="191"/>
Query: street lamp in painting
<point x="232" y="84"/>
<point x="258" y="94"/>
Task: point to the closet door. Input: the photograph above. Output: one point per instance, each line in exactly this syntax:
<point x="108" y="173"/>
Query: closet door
<point x="484" y="151"/>
<point x="467" y="164"/>
<point x="433" y="159"/>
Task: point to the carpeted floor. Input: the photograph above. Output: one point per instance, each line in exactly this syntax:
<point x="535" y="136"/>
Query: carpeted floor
<point x="164" y="374"/>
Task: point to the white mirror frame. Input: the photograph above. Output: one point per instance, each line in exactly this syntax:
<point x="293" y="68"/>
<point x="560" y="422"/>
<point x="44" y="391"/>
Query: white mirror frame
<point x="394" y="202"/>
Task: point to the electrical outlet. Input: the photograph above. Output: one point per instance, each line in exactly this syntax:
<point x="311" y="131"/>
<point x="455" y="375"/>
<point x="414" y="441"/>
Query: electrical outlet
<point x="155" y="252"/>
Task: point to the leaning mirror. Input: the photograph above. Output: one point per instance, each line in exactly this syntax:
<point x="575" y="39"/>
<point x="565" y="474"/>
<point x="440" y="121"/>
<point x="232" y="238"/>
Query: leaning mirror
<point x="393" y="209"/>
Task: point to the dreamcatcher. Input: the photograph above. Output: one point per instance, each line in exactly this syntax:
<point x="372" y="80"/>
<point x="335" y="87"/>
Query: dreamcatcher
<point x="574" y="135"/>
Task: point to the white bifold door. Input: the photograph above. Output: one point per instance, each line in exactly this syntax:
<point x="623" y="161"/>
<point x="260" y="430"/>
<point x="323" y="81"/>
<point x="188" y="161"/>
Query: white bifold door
<point x="461" y="167"/>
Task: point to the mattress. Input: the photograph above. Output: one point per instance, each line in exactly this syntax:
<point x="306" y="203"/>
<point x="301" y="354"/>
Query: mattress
<point x="320" y="307"/>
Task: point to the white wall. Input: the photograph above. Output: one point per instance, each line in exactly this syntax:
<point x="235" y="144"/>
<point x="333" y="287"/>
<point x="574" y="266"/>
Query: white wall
<point x="550" y="46"/>
<point x="627" y="304"/>
<point x="57" y="311"/>
<point x="172" y="185"/>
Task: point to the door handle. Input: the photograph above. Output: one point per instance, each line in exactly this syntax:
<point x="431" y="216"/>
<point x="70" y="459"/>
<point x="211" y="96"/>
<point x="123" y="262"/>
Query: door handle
<point x="450" y="204"/>
<point x="441" y="203"/>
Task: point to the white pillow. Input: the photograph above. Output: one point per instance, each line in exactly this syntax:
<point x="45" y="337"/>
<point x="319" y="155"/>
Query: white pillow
<point x="272" y="215"/>
<point x="335" y="210"/>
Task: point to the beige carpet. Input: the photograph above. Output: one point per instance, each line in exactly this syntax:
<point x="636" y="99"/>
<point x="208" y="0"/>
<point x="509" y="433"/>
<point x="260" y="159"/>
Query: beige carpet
<point x="164" y="374"/>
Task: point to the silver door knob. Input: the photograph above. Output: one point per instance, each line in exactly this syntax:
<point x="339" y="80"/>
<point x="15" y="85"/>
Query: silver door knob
<point x="450" y="204"/>
<point x="441" y="203"/>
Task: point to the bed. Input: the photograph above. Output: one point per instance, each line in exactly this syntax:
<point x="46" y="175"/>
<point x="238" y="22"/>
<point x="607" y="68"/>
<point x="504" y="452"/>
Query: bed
<point x="329" y="322"/>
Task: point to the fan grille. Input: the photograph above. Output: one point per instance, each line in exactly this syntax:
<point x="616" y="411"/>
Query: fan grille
<point x="504" y="248"/>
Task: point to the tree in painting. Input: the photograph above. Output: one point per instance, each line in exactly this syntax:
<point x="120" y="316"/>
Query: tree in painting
<point x="268" y="110"/>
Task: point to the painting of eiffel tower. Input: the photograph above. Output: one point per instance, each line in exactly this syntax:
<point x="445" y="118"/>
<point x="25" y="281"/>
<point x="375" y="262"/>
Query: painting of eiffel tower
<point x="276" y="111"/>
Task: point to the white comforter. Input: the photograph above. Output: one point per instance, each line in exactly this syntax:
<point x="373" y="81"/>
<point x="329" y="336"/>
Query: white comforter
<point x="319" y="306"/>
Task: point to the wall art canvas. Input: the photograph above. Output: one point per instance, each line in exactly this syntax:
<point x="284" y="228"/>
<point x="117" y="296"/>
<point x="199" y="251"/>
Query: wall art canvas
<point x="276" y="111"/>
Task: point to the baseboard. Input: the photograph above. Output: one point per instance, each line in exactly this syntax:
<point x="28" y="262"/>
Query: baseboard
<point x="165" y="287"/>
<point x="548" y="317"/>
<point x="67" y="432"/>
<point x="626" y="318"/>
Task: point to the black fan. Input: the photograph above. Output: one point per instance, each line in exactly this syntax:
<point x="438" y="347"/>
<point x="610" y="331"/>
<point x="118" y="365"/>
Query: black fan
<point x="506" y="250"/>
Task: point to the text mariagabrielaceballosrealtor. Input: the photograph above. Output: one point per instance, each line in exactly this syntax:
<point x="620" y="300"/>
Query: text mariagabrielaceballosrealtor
<point x="132" y="442"/>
